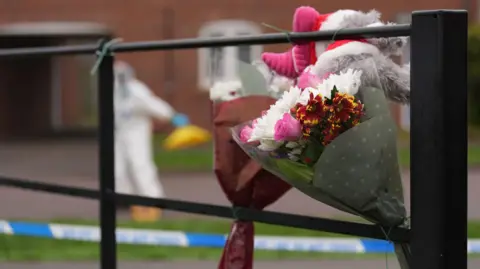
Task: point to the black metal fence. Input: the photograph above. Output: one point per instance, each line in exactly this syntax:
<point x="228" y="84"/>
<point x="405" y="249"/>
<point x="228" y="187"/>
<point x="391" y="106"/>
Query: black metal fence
<point x="438" y="234"/>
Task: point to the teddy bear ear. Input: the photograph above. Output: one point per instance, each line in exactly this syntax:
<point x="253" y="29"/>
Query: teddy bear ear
<point x="388" y="45"/>
<point x="404" y="41"/>
<point x="401" y="41"/>
<point x="395" y="45"/>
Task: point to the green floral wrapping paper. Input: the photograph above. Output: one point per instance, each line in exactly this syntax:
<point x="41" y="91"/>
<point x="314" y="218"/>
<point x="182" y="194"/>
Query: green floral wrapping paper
<point x="357" y="172"/>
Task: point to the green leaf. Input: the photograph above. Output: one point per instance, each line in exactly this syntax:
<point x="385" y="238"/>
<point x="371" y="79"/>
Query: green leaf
<point x="312" y="152"/>
<point x="294" y="170"/>
<point x="333" y="92"/>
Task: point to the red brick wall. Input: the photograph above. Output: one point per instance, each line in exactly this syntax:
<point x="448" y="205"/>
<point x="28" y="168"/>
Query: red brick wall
<point x="68" y="86"/>
<point x="142" y="20"/>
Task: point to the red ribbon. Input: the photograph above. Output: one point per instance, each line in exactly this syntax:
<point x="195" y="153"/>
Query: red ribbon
<point x="238" y="250"/>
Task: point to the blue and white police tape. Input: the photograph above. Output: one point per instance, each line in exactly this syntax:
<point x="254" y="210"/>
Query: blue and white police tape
<point x="184" y="239"/>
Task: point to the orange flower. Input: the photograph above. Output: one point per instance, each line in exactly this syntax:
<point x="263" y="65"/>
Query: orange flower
<point x="331" y="132"/>
<point x="311" y="113"/>
<point x="328" y="118"/>
<point x="306" y="131"/>
<point x="356" y="121"/>
<point x="343" y="107"/>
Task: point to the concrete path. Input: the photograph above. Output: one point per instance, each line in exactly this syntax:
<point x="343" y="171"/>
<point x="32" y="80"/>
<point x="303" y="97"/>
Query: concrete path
<point x="75" y="163"/>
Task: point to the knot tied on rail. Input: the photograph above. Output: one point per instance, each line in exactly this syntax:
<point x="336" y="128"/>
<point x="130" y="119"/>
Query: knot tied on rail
<point x="104" y="49"/>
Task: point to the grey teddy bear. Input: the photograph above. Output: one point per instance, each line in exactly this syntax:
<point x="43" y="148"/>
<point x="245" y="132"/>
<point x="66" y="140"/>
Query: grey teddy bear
<point x="371" y="55"/>
<point x="393" y="78"/>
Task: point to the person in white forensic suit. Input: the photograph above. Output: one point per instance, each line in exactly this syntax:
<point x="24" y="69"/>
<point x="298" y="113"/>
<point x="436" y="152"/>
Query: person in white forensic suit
<point x="135" y="169"/>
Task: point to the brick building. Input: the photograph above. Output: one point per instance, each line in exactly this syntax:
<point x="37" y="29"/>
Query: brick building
<point x="41" y="95"/>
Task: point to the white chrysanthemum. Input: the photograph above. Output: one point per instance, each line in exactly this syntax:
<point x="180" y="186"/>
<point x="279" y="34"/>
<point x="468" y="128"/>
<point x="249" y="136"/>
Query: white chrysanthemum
<point x="346" y="82"/>
<point x="269" y="145"/>
<point x="225" y="90"/>
<point x="305" y="96"/>
<point x="264" y="128"/>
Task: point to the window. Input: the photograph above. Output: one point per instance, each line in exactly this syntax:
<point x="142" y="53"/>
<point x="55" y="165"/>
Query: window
<point x="245" y="54"/>
<point x="71" y="78"/>
<point x="216" y="64"/>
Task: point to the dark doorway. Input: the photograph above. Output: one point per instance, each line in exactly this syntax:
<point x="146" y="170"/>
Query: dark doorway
<point x="45" y="96"/>
<point x="24" y="92"/>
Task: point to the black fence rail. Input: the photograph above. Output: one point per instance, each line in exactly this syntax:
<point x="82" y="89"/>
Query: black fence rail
<point x="438" y="234"/>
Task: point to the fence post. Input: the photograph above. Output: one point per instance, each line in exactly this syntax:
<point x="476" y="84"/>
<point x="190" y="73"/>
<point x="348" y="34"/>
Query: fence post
<point x="439" y="139"/>
<point x="108" y="246"/>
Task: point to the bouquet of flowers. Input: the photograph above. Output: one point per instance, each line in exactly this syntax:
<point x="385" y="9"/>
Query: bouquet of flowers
<point x="334" y="141"/>
<point x="243" y="180"/>
<point x="332" y="136"/>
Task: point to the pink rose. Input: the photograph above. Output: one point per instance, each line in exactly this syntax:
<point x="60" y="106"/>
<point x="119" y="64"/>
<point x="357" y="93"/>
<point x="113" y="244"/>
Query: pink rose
<point x="308" y="79"/>
<point x="246" y="133"/>
<point x="287" y="129"/>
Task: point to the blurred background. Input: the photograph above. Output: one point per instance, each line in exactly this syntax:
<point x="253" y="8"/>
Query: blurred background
<point x="48" y="115"/>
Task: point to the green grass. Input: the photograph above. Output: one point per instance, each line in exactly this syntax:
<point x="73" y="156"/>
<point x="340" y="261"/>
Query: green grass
<point x="21" y="248"/>
<point x="38" y="249"/>
<point x="18" y="248"/>
<point x="187" y="160"/>
<point x="473" y="155"/>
